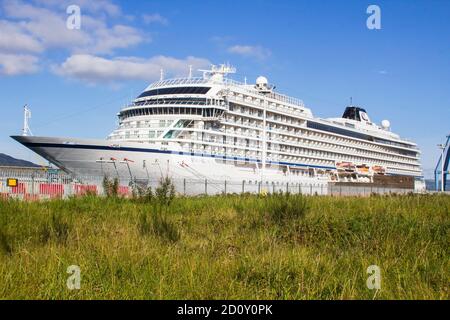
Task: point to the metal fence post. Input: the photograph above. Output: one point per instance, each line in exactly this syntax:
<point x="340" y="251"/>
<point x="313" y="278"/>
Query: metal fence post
<point x="225" y="186"/>
<point x="206" y="186"/>
<point x="32" y="186"/>
<point x="287" y="187"/>
<point x="184" y="186"/>
<point x="243" y="186"/>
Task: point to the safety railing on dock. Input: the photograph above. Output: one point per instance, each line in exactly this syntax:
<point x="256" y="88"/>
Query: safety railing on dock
<point x="44" y="184"/>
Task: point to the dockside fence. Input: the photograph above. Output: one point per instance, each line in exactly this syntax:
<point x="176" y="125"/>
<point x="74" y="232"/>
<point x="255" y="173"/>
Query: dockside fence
<point x="38" y="185"/>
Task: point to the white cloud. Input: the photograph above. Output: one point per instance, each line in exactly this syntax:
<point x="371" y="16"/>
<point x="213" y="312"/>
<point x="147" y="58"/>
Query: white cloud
<point x="155" y="18"/>
<point x="48" y="26"/>
<point x="96" y="6"/>
<point x="96" y="69"/>
<point x="30" y="29"/>
<point x="38" y="26"/>
<point x="106" y="40"/>
<point x="13" y="38"/>
<point x="15" y="64"/>
<point x="258" y="52"/>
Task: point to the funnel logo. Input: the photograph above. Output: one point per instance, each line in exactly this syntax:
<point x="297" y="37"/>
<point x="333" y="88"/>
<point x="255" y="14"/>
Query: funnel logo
<point x="364" y="116"/>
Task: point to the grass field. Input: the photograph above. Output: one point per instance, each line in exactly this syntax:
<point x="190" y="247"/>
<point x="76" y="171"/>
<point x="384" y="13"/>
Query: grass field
<point x="226" y="247"/>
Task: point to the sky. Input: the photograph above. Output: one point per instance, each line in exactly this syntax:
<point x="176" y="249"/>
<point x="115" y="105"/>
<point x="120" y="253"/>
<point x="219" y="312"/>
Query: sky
<point x="75" y="80"/>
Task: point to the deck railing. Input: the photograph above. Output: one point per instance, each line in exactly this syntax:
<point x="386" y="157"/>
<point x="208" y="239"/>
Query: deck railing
<point x="228" y="82"/>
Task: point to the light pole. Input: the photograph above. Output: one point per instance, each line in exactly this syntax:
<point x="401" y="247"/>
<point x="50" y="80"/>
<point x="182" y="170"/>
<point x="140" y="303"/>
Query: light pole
<point x="442" y="147"/>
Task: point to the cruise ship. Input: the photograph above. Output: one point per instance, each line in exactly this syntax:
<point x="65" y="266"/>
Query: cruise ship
<point x="213" y="127"/>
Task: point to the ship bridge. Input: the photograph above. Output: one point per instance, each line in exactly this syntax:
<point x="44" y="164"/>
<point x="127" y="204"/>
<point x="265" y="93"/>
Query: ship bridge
<point x="208" y="96"/>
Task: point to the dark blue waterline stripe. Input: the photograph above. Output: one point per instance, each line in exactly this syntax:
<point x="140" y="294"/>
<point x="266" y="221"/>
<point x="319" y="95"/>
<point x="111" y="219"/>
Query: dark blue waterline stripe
<point x="93" y="147"/>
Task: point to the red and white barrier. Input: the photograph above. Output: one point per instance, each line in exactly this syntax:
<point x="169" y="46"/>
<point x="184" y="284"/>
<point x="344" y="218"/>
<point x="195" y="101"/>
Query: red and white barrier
<point x="81" y="189"/>
<point x="32" y="189"/>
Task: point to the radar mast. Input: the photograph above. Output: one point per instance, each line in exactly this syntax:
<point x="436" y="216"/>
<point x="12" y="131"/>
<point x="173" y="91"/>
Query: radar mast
<point x="218" y="73"/>
<point x="26" y="119"/>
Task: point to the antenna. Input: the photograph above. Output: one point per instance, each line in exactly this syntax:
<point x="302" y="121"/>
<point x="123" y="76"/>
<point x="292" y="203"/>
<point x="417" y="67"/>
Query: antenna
<point x="26" y="117"/>
<point x="351" y="101"/>
<point x="190" y="71"/>
<point x="161" y="78"/>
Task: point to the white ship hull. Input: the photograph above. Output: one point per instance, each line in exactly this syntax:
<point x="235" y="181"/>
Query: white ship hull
<point x="84" y="157"/>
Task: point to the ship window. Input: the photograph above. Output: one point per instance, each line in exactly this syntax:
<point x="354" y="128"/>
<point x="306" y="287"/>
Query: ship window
<point x="198" y="101"/>
<point x="175" y="90"/>
<point x="344" y="132"/>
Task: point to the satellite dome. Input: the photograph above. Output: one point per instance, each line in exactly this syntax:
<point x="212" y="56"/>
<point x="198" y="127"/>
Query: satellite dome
<point x="262" y="81"/>
<point x="385" y="124"/>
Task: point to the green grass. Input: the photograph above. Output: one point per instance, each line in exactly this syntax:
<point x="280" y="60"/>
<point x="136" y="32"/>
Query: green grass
<point x="227" y="247"/>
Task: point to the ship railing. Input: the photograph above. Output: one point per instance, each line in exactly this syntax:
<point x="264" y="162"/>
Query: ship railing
<point x="178" y="81"/>
<point x="228" y="82"/>
<point x="168" y="101"/>
<point x="319" y="143"/>
<point x="285" y="109"/>
<point x="272" y="95"/>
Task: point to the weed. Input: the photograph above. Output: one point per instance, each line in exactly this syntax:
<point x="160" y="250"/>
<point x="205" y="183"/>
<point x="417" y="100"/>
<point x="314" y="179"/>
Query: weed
<point x="159" y="225"/>
<point x="5" y="245"/>
<point x="143" y="193"/>
<point x="111" y="187"/>
<point x="165" y="192"/>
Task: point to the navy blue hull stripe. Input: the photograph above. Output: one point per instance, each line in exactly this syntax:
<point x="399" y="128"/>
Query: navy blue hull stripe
<point x="97" y="147"/>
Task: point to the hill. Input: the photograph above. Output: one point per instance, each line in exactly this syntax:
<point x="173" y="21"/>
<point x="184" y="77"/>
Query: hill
<point x="6" y="160"/>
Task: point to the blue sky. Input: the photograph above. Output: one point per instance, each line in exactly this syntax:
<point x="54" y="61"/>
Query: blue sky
<point x="75" y="81"/>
